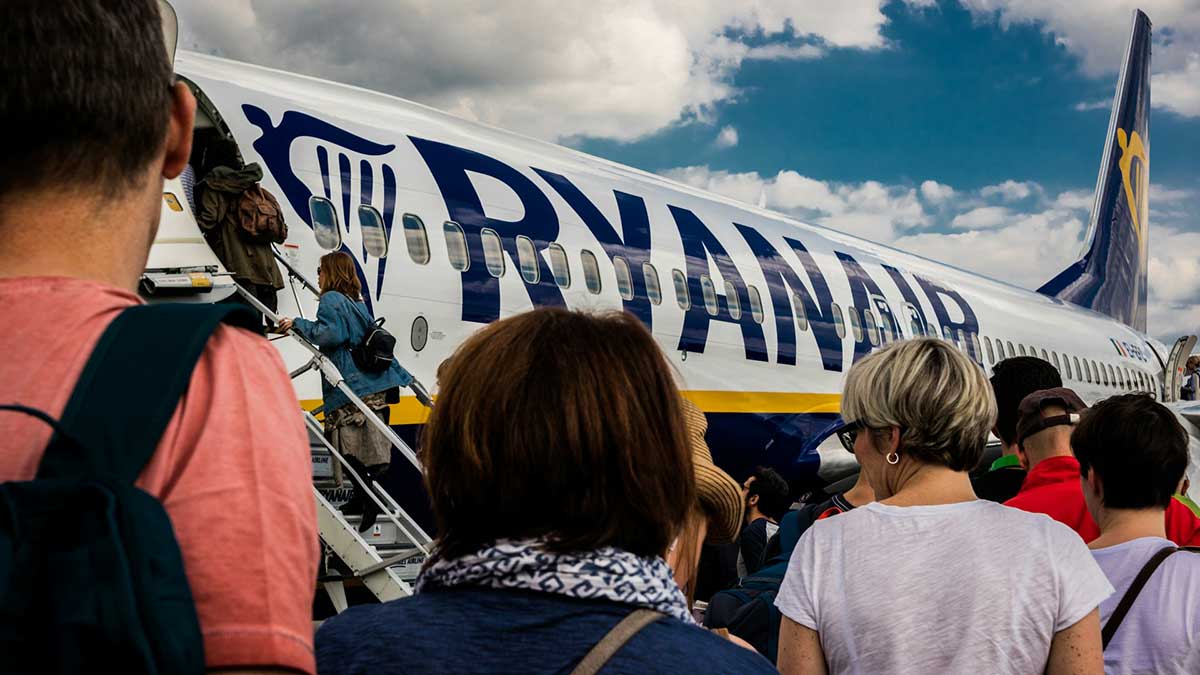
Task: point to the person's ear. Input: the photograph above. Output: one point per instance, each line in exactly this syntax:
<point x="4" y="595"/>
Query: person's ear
<point x="1184" y="485"/>
<point x="179" y="131"/>
<point x="1094" y="485"/>
<point x="752" y="500"/>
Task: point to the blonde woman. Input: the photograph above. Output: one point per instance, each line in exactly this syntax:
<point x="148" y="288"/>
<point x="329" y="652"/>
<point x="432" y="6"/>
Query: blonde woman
<point x="930" y="579"/>
<point x="342" y="322"/>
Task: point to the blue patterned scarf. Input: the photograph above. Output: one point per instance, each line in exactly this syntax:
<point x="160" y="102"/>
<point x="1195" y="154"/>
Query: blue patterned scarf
<point x="605" y="574"/>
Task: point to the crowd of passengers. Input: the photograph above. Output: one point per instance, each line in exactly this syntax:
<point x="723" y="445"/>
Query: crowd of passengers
<point x="582" y="539"/>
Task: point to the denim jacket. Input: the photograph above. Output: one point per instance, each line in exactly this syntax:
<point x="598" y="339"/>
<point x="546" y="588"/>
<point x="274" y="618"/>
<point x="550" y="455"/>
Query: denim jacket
<point x="341" y="325"/>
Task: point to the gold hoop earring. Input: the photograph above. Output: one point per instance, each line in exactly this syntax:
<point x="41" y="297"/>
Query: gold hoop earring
<point x="893" y="458"/>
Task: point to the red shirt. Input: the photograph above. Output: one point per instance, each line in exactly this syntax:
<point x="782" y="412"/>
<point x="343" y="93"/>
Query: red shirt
<point x="232" y="469"/>
<point x="1053" y="487"/>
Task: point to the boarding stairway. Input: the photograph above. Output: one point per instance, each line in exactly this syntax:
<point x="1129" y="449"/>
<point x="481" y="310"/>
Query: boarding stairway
<point x="387" y="558"/>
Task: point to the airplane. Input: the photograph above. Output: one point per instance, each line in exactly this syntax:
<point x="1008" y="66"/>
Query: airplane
<point x="454" y="224"/>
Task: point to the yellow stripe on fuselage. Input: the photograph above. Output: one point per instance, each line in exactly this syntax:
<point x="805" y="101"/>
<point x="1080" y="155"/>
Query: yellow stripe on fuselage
<point x="410" y="411"/>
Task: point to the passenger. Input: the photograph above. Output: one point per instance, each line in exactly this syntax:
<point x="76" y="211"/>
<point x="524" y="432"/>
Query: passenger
<point x="930" y="579"/>
<point x="1052" y="486"/>
<point x="1012" y="380"/>
<point x="240" y="221"/>
<point x="859" y="494"/>
<point x="554" y="474"/>
<point x="767" y="498"/>
<point x="718" y="512"/>
<point x="91" y="123"/>
<point x="1191" y="378"/>
<point x="1132" y="453"/>
<point x="342" y="323"/>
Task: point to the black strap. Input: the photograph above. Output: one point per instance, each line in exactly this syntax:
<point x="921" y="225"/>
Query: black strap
<point x="130" y="388"/>
<point x="1118" y="615"/>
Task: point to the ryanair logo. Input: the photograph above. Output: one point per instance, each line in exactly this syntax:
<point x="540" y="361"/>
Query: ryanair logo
<point x="1136" y="178"/>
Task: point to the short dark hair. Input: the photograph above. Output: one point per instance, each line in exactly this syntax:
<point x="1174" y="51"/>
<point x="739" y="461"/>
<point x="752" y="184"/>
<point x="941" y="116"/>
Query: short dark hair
<point x="1014" y="379"/>
<point x="86" y="92"/>
<point x="774" y="494"/>
<point x="559" y="424"/>
<point x="1137" y="448"/>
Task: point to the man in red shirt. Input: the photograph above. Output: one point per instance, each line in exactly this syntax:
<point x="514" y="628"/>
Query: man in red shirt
<point x="1052" y="486"/>
<point x="91" y="122"/>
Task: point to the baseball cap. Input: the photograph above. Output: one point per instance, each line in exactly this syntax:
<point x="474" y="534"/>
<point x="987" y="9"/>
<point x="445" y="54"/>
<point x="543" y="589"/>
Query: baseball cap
<point x="1029" y="414"/>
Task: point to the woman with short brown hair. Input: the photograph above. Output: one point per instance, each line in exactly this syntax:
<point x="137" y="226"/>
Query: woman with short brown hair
<point x="560" y="472"/>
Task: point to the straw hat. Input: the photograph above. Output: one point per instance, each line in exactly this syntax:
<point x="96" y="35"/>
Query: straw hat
<point x="720" y="495"/>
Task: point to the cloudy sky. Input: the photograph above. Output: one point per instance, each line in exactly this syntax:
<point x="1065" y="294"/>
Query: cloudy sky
<point x="968" y="131"/>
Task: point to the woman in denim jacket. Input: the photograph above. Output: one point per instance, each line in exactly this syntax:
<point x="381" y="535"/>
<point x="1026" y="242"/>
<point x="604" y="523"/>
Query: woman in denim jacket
<point x="342" y="323"/>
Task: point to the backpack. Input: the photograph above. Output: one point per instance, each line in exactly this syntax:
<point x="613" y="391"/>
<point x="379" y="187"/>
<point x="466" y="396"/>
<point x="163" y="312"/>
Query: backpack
<point x="258" y="216"/>
<point x="91" y="576"/>
<point x="748" y="609"/>
<point x="376" y="352"/>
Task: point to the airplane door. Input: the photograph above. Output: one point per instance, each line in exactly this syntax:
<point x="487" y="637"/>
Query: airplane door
<point x="1173" y="375"/>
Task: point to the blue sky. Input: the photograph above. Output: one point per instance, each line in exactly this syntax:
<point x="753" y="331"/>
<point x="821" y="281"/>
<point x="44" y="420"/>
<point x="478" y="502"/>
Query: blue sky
<point x="964" y="130"/>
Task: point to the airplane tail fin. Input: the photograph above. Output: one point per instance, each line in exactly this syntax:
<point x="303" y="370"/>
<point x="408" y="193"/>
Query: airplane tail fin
<point x="1111" y="277"/>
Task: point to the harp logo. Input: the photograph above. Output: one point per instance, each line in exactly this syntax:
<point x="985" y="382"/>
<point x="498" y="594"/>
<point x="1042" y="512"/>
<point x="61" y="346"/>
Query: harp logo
<point x="1136" y="178"/>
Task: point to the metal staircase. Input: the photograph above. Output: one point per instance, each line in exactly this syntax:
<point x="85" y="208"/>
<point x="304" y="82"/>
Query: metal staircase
<point x="387" y="558"/>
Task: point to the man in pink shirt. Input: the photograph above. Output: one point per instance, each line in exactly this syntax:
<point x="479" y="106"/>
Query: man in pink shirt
<point x="91" y="122"/>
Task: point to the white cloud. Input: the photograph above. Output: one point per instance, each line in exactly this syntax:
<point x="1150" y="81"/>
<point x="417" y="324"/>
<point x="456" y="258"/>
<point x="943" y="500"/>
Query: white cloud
<point x="783" y="52"/>
<point x="1078" y="199"/>
<point x="936" y="193"/>
<point x="1093" y="105"/>
<point x="1179" y="90"/>
<point x="1097" y="31"/>
<point x="1174" y="283"/>
<point x="1010" y="190"/>
<point x="548" y="68"/>
<point x="727" y="138"/>
<point x="982" y="218"/>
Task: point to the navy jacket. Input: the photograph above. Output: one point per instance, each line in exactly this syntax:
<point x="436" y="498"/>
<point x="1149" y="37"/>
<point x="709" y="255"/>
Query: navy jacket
<point x="478" y="630"/>
<point x="341" y="324"/>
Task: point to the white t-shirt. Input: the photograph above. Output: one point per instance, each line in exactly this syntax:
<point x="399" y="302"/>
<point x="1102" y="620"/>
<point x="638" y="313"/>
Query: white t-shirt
<point x="975" y="587"/>
<point x="1161" y="632"/>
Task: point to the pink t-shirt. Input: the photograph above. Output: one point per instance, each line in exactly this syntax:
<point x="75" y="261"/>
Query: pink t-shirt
<point x="233" y="467"/>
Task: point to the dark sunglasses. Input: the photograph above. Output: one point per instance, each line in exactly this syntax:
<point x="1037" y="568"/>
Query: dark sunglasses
<point x="848" y="434"/>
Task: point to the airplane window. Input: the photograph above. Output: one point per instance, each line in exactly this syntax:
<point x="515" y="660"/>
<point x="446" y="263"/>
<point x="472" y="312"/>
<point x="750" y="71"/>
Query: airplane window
<point x="839" y="324"/>
<point x="931" y="330"/>
<point x="1101" y="374"/>
<point x="999" y="351"/>
<point x="1112" y="375"/>
<point x="456" y="246"/>
<point x="325" y="223"/>
<point x="1054" y="358"/>
<point x="559" y="267"/>
<point x="991" y="355"/>
<point x="624" y="278"/>
<point x="732" y="302"/>
<point x="801" y="315"/>
<point x="914" y="320"/>
<point x="681" y="290"/>
<point x="1089" y="368"/>
<point x="493" y="252"/>
<point x="1078" y="370"/>
<point x="855" y="323"/>
<point x="1010" y="351"/>
<point x="528" y="257"/>
<point x="871" y="327"/>
<point x="710" y="294"/>
<point x="1126" y="380"/>
<point x="947" y="333"/>
<point x="885" y="328"/>
<point x="976" y="346"/>
<point x="1067" y="366"/>
<point x="652" y="289"/>
<point x="961" y="340"/>
<point x="1045" y="356"/>
<point x="756" y="306"/>
<point x="415" y="238"/>
<point x="591" y="271"/>
<point x="375" y="239"/>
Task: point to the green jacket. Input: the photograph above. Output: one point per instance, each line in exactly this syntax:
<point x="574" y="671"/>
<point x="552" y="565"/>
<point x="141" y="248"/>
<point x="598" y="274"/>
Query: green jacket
<point x="216" y="197"/>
